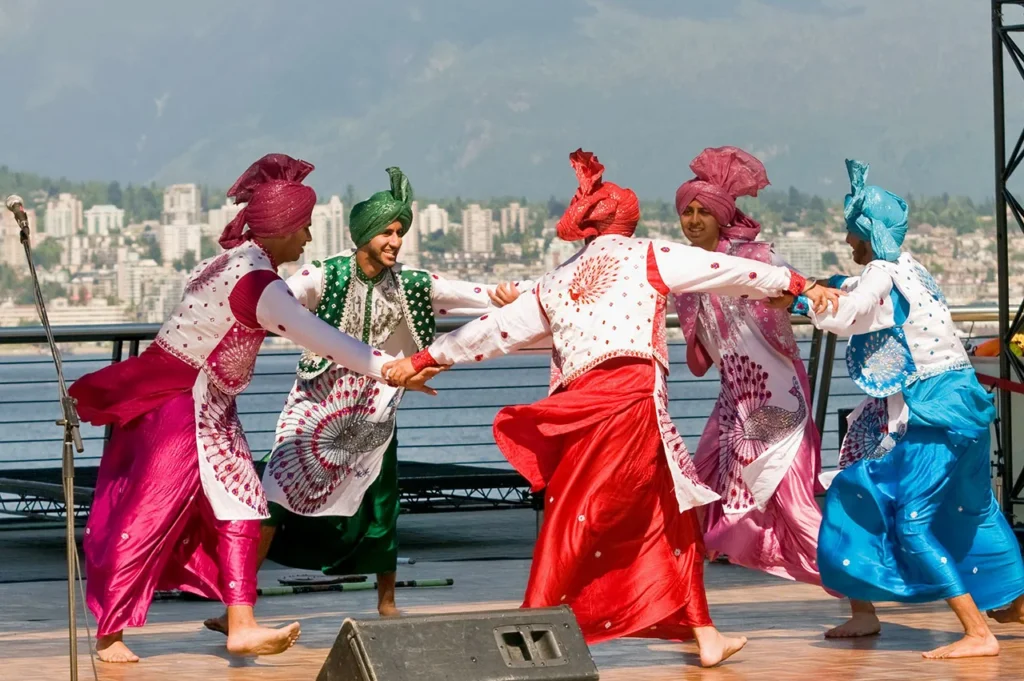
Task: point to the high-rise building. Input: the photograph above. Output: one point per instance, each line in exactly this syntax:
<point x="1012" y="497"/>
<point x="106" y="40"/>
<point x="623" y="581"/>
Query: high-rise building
<point x="182" y="205"/>
<point x="12" y="253"/>
<point x="101" y="220"/>
<point x="328" y="229"/>
<point x="514" y="217"/>
<point x="218" y="218"/>
<point x="431" y="219"/>
<point x="477" y="229"/>
<point x="410" y="254"/>
<point x="801" y="252"/>
<point x="135" y="278"/>
<point x="178" y="239"/>
<point x="63" y="216"/>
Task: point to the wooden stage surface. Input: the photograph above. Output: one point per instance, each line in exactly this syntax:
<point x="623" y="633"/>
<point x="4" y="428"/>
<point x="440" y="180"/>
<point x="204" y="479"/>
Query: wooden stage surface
<point x="784" y="622"/>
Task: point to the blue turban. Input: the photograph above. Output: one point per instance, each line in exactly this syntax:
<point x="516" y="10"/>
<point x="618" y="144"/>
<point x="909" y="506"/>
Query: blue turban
<point x="874" y="214"/>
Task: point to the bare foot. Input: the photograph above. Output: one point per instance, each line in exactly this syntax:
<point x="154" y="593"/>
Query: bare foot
<point x="253" y="641"/>
<point x="1010" y="615"/>
<point x="717" y="649"/>
<point x="218" y="624"/>
<point x="112" y="649"/>
<point x="389" y="610"/>
<point x="968" y="646"/>
<point x="859" y="624"/>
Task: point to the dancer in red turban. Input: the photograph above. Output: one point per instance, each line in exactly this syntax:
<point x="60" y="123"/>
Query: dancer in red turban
<point x="178" y="503"/>
<point x="620" y="542"/>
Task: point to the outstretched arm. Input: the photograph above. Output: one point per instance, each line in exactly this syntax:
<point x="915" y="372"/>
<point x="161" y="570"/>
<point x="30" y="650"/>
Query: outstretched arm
<point x="500" y="332"/>
<point x="455" y="298"/>
<point x="686" y="269"/>
<point x="867" y="306"/>
<point x="261" y="299"/>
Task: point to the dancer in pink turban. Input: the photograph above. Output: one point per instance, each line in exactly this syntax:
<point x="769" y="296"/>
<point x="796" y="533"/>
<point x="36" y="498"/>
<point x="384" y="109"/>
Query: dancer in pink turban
<point x="760" y="450"/>
<point x="178" y="502"/>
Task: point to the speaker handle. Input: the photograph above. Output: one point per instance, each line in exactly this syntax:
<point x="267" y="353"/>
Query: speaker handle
<point x="366" y="671"/>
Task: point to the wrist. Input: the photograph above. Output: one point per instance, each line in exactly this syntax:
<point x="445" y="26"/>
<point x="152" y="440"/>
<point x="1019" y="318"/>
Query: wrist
<point x="801" y="305"/>
<point x="797" y="283"/>
<point x="423" y="360"/>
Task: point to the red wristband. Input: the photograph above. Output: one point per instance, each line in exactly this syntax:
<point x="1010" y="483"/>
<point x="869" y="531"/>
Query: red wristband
<point x="423" y="359"/>
<point x="796" y="283"/>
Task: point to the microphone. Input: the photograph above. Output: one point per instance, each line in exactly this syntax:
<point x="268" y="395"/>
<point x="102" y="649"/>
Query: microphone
<point x="16" y="206"/>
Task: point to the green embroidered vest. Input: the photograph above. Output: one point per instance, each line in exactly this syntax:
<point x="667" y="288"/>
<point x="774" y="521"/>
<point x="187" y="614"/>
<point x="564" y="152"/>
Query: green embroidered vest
<point x="415" y="294"/>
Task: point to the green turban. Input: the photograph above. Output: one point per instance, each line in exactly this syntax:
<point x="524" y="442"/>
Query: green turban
<point x="372" y="216"/>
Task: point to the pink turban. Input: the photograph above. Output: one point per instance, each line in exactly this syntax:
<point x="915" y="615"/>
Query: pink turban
<point x="277" y="203"/>
<point x="723" y="175"/>
<point x="598" y="207"/>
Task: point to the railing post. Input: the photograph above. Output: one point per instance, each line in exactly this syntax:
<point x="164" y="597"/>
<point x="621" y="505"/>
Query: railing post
<point x="115" y="356"/>
<point x="826" y="382"/>
<point x="814" y="361"/>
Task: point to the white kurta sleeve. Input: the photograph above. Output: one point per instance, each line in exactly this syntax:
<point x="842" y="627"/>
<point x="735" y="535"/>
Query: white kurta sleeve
<point x="279" y="312"/>
<point x="499" y="332"/>
<point x="462" y="298"/>
<point x="687" y="269"/>
<point x="307" y="285"/>
<point x="867" y="306"/>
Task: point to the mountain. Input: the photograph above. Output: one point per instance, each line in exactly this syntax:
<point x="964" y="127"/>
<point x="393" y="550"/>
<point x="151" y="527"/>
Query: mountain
<point x="486" y="98"/>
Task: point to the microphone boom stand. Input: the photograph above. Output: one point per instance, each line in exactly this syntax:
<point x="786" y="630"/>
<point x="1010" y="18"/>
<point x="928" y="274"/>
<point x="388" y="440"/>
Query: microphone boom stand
<point x="72" y="443"/>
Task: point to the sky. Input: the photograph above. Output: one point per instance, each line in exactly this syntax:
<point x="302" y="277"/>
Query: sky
<point x="479" y="98"/>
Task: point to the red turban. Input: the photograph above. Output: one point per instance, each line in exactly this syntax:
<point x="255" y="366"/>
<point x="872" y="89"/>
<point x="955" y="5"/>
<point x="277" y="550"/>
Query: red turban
<point x="598" y="207"/>
<point x="277" y="203"/>
<point x="723" y="174"/>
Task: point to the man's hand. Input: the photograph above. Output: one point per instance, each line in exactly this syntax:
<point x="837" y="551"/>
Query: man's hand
<point x="820" y="296"/>
<point x="504" y="294"/>
<point x="419" y="381"/>
<point x="401" y="373"/>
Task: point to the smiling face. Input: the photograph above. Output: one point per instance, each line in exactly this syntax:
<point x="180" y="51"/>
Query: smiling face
<point x="382" y="250"/>
<point x="862" y="253"/>
<point x="700" y="226"/>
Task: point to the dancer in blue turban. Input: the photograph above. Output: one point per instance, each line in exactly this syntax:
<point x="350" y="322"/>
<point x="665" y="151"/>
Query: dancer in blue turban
<point x="910" y="516"/>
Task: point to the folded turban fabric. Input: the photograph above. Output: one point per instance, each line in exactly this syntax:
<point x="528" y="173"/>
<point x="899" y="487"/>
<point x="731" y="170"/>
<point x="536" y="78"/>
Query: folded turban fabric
<point x="372" y="216"/>
<point x="277" y="203"/>
<point x="598" y="207"/>
<point x="722" y="175"/>
<point x="874" y="214"/>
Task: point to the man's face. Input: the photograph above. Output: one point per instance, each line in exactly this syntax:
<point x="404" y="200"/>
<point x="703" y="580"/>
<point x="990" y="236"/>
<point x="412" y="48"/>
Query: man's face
<point x="862" y="253"/>
<point x="700" y="226"/>
<point x="288" y="248"/>
<point x="383" y="248"/>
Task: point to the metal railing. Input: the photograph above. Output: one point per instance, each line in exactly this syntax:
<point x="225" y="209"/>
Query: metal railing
<point x="454" y="427"/>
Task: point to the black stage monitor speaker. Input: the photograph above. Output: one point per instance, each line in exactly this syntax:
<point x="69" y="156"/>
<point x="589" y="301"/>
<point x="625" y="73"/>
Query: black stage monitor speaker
<point x="543" y="644"/>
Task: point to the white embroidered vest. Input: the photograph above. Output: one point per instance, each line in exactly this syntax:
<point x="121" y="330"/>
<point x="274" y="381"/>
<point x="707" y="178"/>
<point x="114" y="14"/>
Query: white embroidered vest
<point x="600" y="305"/>
<point x="930" y="332"/>
<point x="203" y="332"/>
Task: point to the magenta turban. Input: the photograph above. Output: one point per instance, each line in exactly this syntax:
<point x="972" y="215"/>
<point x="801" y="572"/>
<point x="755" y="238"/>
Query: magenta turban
<point x="598" y="207"/>
<point x="723" y="175"/>
<point x="277" y="203"/>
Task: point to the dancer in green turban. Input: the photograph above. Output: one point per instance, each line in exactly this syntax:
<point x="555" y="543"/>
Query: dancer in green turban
<point x="332" y="475"/>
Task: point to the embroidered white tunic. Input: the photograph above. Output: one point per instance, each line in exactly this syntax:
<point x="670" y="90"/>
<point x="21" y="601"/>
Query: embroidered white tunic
<point x="337" y="425"/>
<point x="229" y="304"/>
<point x="608" y="301"/>
<point x="900" y="332"/>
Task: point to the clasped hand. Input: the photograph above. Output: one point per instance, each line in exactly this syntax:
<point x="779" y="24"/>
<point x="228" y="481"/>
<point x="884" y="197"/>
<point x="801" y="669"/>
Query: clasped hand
<point x="401" y="373"/>
<point x="819" y="296"/>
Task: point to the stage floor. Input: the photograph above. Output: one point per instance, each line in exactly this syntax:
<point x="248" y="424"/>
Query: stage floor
<point x="784" y="622"/>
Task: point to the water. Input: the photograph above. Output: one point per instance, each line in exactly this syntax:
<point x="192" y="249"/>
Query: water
<point x="454" y="427"/>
